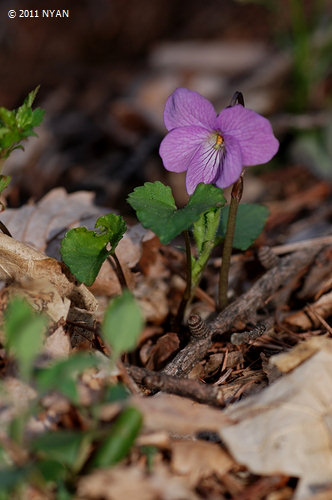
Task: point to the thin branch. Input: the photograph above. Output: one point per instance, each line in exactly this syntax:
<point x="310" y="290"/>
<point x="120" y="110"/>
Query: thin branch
<point x="262" y="328"/>
<point x="192" y="389"/>
<point x="243" y="308"/>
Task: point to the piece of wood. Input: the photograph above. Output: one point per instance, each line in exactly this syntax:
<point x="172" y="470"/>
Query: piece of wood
<point x="244" y="308"/>
<point x="192" y="389"/>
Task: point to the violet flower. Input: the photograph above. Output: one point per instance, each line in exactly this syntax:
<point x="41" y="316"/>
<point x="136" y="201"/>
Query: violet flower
<point x="213" y="148"/>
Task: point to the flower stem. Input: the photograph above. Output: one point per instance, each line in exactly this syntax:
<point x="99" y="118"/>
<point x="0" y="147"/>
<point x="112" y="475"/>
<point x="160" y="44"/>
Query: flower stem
<point x="187" y="295"/>
<point x="236" y="196"/>
<point x="115" y="263"/>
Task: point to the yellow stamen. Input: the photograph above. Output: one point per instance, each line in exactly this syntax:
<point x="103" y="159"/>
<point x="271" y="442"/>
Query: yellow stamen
<point x="219" y="141"/>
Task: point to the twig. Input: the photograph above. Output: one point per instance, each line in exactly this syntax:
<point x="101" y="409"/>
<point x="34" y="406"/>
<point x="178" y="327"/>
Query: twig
<point x="260" y="329"/>
<point x="192" y="389"/>
<point x="244" y="307"/>
<point x="127" y="378"/>
<point x="300" y="245"/>
<point x="320" y="318"/>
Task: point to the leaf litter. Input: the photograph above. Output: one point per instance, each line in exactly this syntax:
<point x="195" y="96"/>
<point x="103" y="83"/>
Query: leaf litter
<point x="273" y="428"/>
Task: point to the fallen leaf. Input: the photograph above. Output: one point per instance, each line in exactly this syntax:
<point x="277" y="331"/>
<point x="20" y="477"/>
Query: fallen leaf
<point x="162" y="350"/>
<point x="43" y="296"/>
<point x="132" y="482"/>
<point x="58" y="344"/>
<point x="287" y="361"/>
<point x="199" y="459"/>
<point x="178" y="415"/>
<point x="44" y="224"/>
<point x="26" y="266"/>
<point x="152" y="298"/>
<point x="307" y="318"/>
<point x="286" y="428"/>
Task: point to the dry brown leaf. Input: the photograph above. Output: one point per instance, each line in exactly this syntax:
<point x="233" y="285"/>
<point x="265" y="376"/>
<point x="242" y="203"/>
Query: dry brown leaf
<point x="199" y="459"/>
<point x="30" y="269"/>
<point x="318" y="277"/>
<point x="44" y="224"/>
<point x="121" y="483"/>
<point x="152" y="297"/>
<point x="152" y="263"/>
<point x="178" y="415"/>
<point x="287" y="361"/>
<point x="42" y="295"/>
<point x="286" y="428"/>
<point x="16" y="396"/>
<point x="58" y="344"/>
<point x="162" y="350"/>
<point x="307" y="318"/>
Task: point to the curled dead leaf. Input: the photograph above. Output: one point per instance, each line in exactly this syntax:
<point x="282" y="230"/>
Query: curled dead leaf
<point x="286" y="428"/>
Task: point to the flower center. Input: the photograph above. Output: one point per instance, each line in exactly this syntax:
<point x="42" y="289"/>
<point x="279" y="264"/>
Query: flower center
<point x="219" y="141"/>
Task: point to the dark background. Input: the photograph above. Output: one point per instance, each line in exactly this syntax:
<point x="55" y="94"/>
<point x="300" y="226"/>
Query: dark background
<point x="103" y="81"/>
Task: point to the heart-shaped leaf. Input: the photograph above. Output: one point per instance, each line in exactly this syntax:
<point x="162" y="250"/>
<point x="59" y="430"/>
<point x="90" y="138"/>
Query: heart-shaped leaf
<point x="155" y="208"/>
<point x="85" y="251"/>
<point x="250" y="221"/>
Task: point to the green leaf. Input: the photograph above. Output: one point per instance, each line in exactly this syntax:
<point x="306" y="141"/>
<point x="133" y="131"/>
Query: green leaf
<point x="205" y="228"/>
<point x="37" y="117"/>
<point x="114" y="226"/>
<point x="118" y="392"/>
<point x="18" y="124"/>
<point x="7" y="117"/>
<point x="62" y="446"/>
<point x="155" y="208"/>
<point x="28" y="101"/>
<point x="4" y="181"/>
<point x="85" y="251"/>
<point x="250" y="222"/>
<point x="51" y="470"/>
<point x="204" y="231"/>
<point x="118" y="442"/>
<point x="62" y="375"/>
<point x="10" y="477"/>
<point x="24" y="331"/>
<point x="123" y="322"/>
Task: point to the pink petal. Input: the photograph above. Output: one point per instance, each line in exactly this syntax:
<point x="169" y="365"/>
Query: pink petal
<point x="185" y="107"/>
<point x="203" y="166"/>
<point x="179" y="146"/>
<point x="253" y="132"/>
<point x="231" y="164"/>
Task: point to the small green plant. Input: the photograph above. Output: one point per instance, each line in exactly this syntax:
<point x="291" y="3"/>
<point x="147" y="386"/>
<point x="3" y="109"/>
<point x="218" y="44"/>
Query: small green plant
<point x="85" y="251"/>
<point x="212" y="149"/>
<point x="16" y="126"/>
<point x="53" y="460"/>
